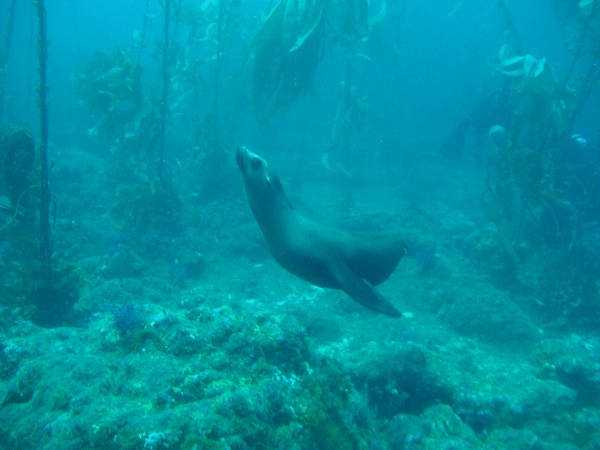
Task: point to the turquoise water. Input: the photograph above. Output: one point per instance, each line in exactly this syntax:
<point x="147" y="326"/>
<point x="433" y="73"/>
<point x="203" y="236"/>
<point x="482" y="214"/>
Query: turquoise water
<point x="156" y="316"/>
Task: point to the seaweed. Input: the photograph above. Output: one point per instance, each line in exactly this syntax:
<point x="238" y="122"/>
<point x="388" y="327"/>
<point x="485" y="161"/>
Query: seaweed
<point x="55" y="297"/>
<point x="143" y="207"/>
<point x="110" y="85"/>
<point x="541" y="200"/>
<point x="4" y="51"/>
<point x="287" y="50"/>
<point x="17" y="161"/>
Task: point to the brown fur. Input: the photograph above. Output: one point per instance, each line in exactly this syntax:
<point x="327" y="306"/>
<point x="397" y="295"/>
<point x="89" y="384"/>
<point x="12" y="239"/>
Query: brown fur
<point x="324" y="256"/>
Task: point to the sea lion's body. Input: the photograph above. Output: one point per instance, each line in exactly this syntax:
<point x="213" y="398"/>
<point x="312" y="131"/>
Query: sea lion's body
<point x="324" y="256"/>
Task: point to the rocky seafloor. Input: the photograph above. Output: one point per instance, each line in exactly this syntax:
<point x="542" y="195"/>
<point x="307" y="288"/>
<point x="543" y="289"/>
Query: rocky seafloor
<point x="193" y="338"/>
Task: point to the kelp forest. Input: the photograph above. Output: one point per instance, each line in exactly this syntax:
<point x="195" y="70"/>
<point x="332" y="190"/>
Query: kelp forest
<point x="192" y="73"/>
<point x="196" y="75"/>
<point x="143" y="306"/>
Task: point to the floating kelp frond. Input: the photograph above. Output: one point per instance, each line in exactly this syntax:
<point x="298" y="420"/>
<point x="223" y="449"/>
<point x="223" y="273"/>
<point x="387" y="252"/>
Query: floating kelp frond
<point x="586" y="3"/>
<point x="301" y="39"/>
<point x="519" y="66"/>
<point x="380" y="16"/>
<point x="456" y="8"/>
<point x="110" y="85"/>
<point x="497" y="136"/>
<point x="300" y="19"/>
<point x="350" y="19"/>
<point x="287" y="50"/>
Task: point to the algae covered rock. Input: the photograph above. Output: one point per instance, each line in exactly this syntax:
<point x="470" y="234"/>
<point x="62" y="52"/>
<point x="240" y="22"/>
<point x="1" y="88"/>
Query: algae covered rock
<point x="490" y="314"/>
<point x="573" y="362"/>
<point x="437" y="427"/>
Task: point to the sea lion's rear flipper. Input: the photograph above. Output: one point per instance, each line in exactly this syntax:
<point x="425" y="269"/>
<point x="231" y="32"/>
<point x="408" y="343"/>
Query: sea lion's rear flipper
<point x="362" y="291"/>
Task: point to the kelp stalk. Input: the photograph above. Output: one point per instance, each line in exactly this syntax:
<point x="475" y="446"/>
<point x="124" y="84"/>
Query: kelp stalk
<point x="592" y="74"/>
<point x="511" y="26"/>
<point x="219" y="63"/>
<point x="9" y="30"/>
<point x="165" y="81"/>
<point x="145" y="25"/>
<point x="5" y="50"/>
<point x="581" y="42"/>
<point x="298" y="179"/>
<point x="342" y="128"/>
<point x="348" y="106"/>
<point x="45" y="243"/>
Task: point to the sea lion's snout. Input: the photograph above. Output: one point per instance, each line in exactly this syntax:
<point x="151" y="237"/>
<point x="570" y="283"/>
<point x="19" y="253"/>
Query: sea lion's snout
<point x="246" y="159"/>
<point x="240" y="157"/>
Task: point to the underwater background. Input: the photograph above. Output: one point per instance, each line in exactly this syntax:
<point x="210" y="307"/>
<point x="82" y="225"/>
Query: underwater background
<point x="140" y="307"/>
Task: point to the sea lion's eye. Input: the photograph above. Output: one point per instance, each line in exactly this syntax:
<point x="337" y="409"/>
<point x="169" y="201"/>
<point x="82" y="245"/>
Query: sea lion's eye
<point x="256" y="163"/>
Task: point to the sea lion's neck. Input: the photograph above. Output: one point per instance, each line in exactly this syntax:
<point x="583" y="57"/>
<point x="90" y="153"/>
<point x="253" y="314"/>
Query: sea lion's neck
<point x="273" y="215"/>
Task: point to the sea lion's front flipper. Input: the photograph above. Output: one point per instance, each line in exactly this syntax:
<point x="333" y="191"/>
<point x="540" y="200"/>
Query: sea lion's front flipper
<point x="361" y="290"/>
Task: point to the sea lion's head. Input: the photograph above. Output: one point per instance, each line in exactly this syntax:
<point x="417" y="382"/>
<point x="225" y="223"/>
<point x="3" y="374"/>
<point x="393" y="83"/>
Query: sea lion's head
<point x="265" y="192"/>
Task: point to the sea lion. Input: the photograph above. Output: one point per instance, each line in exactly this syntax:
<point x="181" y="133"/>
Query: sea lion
<point x="324" y="256"/>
